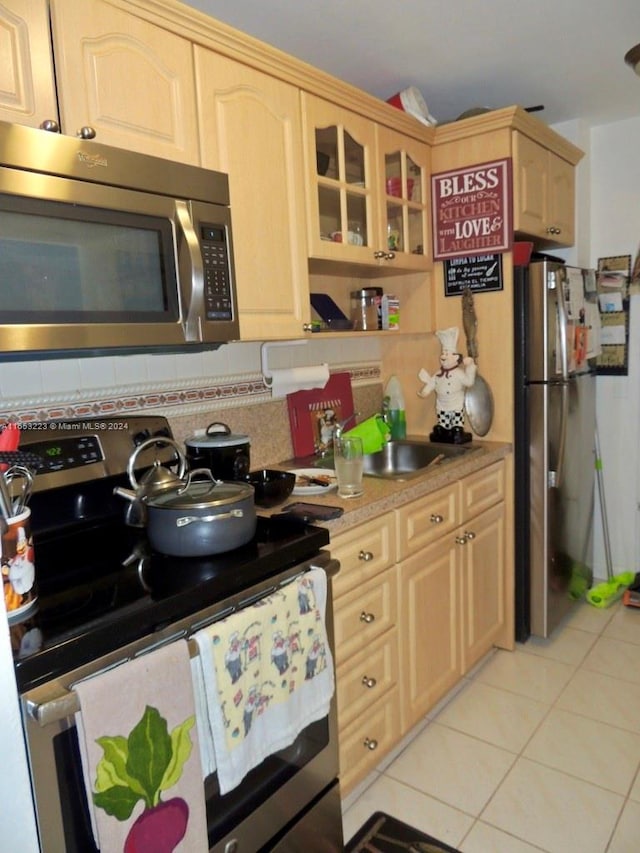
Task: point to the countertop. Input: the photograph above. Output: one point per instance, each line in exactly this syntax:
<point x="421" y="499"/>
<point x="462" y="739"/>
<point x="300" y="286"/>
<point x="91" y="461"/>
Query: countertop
<point x="382" y="495"/>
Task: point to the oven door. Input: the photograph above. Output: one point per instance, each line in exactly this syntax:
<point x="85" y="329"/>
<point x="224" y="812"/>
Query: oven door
<point x="280" y="792"/>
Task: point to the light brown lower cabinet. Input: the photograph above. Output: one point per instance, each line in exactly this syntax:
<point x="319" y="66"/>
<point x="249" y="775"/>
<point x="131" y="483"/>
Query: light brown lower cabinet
<point x="419" y="599"/>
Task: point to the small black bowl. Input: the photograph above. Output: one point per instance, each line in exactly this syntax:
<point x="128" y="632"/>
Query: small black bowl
<point x="271" y="487"/>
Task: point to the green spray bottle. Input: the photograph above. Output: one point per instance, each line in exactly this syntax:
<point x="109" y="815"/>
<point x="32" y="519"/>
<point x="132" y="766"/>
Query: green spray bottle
<point x="393" y="406"/>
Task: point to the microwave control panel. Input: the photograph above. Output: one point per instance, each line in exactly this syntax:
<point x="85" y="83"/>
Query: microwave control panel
<point x="217" y="283"/>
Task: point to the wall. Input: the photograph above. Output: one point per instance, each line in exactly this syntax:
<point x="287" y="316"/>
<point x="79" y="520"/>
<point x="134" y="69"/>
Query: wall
<point x="615" y="230"/>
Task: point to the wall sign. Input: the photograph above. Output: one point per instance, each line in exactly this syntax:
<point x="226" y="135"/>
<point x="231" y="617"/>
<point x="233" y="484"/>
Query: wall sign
<point x="480" y="273"/>
<point x="472" y="210"/>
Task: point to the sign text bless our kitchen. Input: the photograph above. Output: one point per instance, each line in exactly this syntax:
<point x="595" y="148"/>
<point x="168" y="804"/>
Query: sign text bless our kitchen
<point x="472" y="210"/>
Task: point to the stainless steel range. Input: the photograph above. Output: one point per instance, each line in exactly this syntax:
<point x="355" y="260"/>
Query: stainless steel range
<point x="105" y="597"/>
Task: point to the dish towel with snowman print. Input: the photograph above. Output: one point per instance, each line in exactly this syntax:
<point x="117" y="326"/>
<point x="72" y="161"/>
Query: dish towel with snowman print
<point x="268" y="673"/>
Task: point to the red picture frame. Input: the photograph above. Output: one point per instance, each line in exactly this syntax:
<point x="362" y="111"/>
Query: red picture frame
<point x="314" y="414"/>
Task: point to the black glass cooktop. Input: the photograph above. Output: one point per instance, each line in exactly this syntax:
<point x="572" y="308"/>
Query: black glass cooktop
<point x="101" y="586"/>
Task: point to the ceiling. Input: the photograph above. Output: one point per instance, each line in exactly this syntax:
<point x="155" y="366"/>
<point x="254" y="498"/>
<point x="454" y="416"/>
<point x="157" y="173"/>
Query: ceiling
<point x="567" y="55"/>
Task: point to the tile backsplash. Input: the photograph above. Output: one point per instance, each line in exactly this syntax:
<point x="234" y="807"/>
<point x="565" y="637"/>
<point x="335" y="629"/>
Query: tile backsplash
<point x="190" y="389"/>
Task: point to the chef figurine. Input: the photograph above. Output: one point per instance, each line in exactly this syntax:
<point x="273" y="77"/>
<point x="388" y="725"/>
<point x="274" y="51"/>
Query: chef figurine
<point x="455" y="376"/>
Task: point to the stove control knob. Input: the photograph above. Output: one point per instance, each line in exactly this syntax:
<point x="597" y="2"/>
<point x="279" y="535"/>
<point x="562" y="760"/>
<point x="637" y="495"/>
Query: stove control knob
<point x="141" y="436"/>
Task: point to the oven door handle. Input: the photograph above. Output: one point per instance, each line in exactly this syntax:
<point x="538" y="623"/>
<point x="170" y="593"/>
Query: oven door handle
<point x="62" y="703"/>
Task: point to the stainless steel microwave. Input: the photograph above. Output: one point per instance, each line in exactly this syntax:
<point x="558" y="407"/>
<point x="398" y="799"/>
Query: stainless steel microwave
<point x="105" y="250"/>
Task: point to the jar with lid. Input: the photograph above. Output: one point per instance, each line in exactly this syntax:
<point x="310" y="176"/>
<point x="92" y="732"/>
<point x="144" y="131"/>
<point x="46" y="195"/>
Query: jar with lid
<point x="365" y="308"/>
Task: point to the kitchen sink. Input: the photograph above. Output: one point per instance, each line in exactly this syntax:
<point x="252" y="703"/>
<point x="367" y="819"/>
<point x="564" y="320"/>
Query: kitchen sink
<point x="404" y="459"/>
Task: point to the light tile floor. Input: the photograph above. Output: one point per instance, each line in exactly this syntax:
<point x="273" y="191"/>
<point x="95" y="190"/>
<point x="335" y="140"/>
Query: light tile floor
<point x="539" y="750"/>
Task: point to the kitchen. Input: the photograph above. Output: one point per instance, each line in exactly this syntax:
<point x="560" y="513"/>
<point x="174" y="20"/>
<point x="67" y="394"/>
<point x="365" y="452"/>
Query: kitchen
<point x="187" y="382"/>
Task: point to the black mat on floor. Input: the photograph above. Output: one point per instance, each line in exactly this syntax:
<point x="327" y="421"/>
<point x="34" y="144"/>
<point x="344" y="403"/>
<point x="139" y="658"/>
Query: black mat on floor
<point x="384" y="834"/>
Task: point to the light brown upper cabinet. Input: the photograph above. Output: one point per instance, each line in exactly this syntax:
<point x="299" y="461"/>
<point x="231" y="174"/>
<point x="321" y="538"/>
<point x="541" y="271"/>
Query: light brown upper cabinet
<point x="367" y="190"/>
<point x="250" y="128"/>
<point x="119" y="77"/>
<point x="544" y="192"/>
<point x="27" y="88"/>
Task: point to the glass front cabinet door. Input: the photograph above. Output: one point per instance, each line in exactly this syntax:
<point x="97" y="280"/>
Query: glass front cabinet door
<point x="367" y="190"/>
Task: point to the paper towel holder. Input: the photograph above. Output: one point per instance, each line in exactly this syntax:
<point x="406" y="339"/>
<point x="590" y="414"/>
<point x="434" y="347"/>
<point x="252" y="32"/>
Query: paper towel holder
<point x="267" y="375"/>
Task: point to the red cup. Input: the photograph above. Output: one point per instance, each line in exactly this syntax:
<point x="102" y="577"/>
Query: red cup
<point x="394" y="187"/>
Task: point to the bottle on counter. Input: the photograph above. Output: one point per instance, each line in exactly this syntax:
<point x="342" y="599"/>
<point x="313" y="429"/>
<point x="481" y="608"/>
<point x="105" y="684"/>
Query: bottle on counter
<point x="394" y="408"/>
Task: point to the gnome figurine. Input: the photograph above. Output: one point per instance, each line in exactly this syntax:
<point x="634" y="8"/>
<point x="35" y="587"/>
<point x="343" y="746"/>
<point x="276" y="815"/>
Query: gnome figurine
<point x="455" y="375"/>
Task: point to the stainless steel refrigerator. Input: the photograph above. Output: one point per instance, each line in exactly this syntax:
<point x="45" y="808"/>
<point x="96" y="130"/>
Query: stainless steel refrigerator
<point x="554" y="407"/>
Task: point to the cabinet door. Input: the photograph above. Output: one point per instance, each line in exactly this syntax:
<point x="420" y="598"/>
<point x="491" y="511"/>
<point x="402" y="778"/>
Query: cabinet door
<point x="481" y="490"/>
<point x="250" y="128"/>
<point x="367" y="740"/>
<point x="130" y="81"/>
<point x="363" y="552"/>
<point x="430" y="665"/>
<point x="364" y="614"/>
<point x="404" y="165"/>
<point x="27" y="87"/>
<point x="530" y="186"/>
<point x="424" y="521"/>
<point x="341" y="181"/>
<point x="561" y="196"/>
<point x="483" y="583"/>
<point x="365" y="677"/>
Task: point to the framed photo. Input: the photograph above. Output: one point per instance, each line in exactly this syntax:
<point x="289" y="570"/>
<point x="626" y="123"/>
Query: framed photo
<point x="314" y="414"/>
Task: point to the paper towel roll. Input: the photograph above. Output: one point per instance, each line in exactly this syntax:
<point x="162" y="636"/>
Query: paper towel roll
<point x="288" y="380"/>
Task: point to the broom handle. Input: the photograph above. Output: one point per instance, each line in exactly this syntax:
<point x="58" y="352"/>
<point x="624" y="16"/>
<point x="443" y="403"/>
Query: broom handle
<point x="603" y="510"/>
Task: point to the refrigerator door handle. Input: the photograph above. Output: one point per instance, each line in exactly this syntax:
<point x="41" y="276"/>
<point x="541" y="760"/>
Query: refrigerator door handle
<point x="563" y="323"/>
<point x="555" y="476"/>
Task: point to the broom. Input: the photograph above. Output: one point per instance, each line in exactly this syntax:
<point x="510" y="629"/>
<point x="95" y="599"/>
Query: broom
<point x="606" y="593"/>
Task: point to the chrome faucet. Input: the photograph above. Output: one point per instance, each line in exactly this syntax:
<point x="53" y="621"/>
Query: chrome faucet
<point x="337" y="432"/>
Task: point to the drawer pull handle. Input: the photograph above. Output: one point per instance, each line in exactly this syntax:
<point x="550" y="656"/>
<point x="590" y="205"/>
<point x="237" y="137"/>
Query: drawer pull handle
<point x="369" y="682"/>
<point x="436" y="519"/>
<point x="365" y="555"/>
<point x="368" y="618"/>
<point x="370" y="743"/>
<point x="469" y="535"/>
<point x="461" y="540"/>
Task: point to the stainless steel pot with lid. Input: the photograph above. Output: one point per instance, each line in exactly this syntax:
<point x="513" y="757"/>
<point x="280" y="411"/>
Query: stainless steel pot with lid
<point x="201" y="517"/>
<point x="227" y="455"/>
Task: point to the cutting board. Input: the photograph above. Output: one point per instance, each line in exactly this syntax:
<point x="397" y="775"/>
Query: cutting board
<point x="314" y="414"/>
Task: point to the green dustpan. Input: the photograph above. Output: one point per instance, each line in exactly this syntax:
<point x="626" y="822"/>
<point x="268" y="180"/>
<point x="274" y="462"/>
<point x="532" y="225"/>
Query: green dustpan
<point x="606" y="593"/>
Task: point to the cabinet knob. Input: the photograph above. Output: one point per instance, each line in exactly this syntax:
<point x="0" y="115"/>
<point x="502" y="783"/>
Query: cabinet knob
<point x="367" y="618"/>
<point x="51" y="125"/>
<point x="436" y="519"/>
<point x="379" y="255"/>
<point x="553" y="229"/>
<point x="86" y="133"/>
<point x="365" y="555"/>
<point x="469" y="535"/>
<point x="369" y="682"/>
<point x="461" y="540"/>
<point x="389" y="256"/>
<point x="370" y="743"/>
<point x="307" y="327"/>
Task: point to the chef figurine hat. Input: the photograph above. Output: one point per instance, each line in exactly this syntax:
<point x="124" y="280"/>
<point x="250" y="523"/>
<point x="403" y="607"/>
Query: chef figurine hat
<point x="448" y="339"/>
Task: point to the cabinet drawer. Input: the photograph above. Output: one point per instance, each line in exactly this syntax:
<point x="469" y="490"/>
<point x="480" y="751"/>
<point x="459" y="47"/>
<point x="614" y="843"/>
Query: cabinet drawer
<point x="364" y="678"/>
<point x="366" y="741"/>
<point x="422" y="522"/>
<point x="363" y="552"/>
<point x="482" y="490"/>
<point x="364" y="614"/>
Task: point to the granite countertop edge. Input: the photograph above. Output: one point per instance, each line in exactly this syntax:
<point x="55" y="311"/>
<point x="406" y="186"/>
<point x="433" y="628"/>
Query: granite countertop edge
<point x="382" y="495"/>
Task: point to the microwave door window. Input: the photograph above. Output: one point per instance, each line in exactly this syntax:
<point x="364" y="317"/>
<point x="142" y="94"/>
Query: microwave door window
<point x="86" y="265"/>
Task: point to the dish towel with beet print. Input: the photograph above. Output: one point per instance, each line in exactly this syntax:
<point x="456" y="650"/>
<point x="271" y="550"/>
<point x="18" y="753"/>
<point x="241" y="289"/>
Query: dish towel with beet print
<point x="268" y="674"/>
<point x="140" y="755"/>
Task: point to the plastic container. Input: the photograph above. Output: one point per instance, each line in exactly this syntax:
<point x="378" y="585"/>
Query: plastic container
<point x="394" y="407"/>
<point x="410" y="101"/>
<point x="364" y="308"/>
<point x="390" y="311"/>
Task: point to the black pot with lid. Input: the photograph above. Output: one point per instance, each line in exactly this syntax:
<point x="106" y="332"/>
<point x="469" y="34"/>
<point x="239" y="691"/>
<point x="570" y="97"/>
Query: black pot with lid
<point x="225" y="454"/>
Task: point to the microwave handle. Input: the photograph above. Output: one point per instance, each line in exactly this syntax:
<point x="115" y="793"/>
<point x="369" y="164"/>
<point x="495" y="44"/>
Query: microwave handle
<point x="195" y="307"/>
